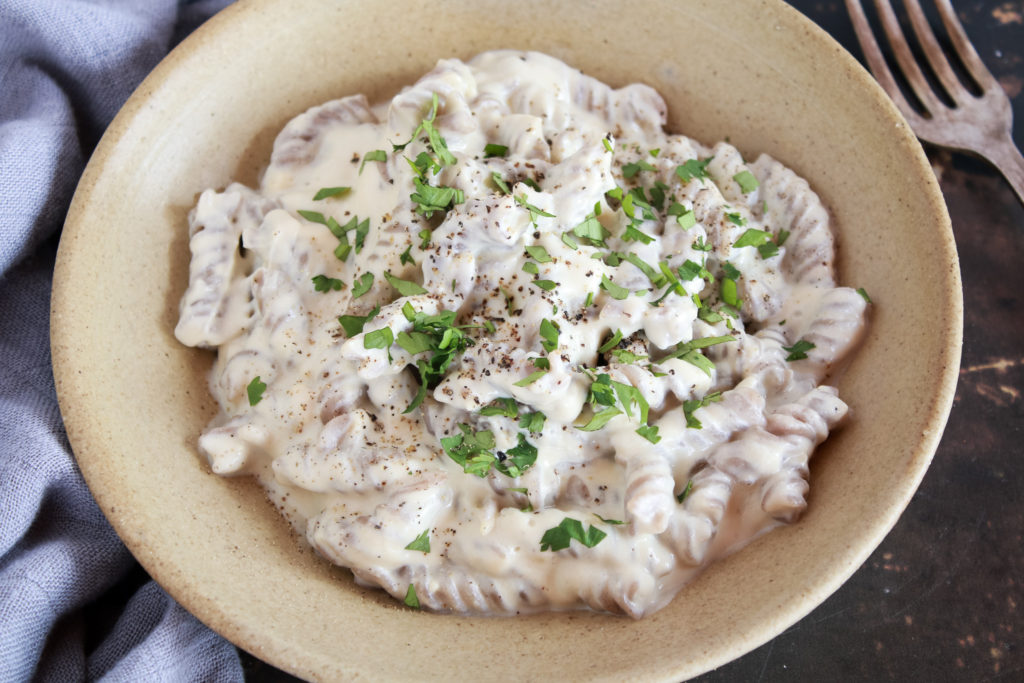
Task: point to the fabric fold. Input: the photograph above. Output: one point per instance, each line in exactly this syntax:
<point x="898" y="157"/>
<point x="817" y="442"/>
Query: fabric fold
<point x="66" y="67"/>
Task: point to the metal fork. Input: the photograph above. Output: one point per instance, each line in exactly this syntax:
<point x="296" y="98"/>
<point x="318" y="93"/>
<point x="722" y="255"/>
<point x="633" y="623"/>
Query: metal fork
<point x="980" y="124"/>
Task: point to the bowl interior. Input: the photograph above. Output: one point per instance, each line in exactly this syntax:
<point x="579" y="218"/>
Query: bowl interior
<point x="134" y="400"/>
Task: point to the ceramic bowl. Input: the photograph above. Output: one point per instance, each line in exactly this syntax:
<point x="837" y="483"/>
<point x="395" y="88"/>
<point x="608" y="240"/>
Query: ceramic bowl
<point x="134" y="400"/>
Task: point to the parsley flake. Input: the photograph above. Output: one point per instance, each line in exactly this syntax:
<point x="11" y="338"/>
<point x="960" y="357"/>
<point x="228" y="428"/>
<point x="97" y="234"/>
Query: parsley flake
<point x="255" y="390"/>
<point x="353" y="324"/>
<point x="531" y="378"/>
<point x="693" y="169"/>
<point x="736" y="219"/>
<point x="361" y="285"/>
<point x="798" y="351"/>
<point x="505" y="407"/>
<point x="538" y="253"/>
<point x="534" y="211"/>
<point x="612" y="342"/>
<point x="500" y="183"/>
<point x="686" y="491"/>
<point x="689" y="407"/>
<point x="533" y="422"/>
<point x="322" y="283"/>
<point x="630" y="170"/>
<point x="373" y="155"/>
<point x="649" y="432"/>
<point x="559" y="537"/>
<point x="421" y="542"/>
<point x="494" y="150"/>
<point x="406" y="256"/>
<point x="614" y="290"/>
<point x="746" y="180"/>
<point x="752" y="237"/>
<point x="549" y="335"/>
<point x="410" y="597"/>
<point x="404" y="287"/>
<point x="325" y="192"/>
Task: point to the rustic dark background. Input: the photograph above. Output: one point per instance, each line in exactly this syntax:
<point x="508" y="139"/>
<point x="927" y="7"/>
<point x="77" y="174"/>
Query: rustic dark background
<point x="941" y="598"/>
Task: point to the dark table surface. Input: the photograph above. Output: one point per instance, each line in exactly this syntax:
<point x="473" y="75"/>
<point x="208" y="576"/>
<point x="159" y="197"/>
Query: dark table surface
<point x="941" y="599"/>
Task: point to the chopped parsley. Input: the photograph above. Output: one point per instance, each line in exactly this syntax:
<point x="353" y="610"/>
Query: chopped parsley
<point x="435" y="199"/>
<point x="517" y="459"/>
<point x="686" y="491"/>
<point x="798" y="351"/>
<point x="437" y="335"/>
<point x="691" y="271"/>
<point x="474" y="451"/>
<point x="353" y="324"/>
<point x="535" y="212"/>
<point x="373" y="155"/>
<point x="362" y="285"/>
<point x="533" y="422"/>
<point x="691" y="406"/>
<point x="404" y="287"/>
<point x="505" y="407"/>
<point x="406" y="256"/>
<point x="531" y="378"/>
<point x="548" y="335"/>
<point x="649" y="432"/>
<point x="736" y="219"/>
<point x="538" y="253"/>
<point x="600" y="419"/>
<point x="630" y="170"/>
<point x="313" y="216"/>
<point x="325" y="192"/>
<point x="590" y="230"/>
<point x="494" y="150"/>
<point x="421" y="542"/>
<point x="380" y="339"/>
<point x="864" y="294"/>
<point x="255" y="390"/>
<point x="614" y="290"/>
<point x="768" y="249"/>
<point x="546" y="285"/>
<point x="500" y="183"/>
<point x="693" y="169"/>
<point x="614" y="522"/>
<point x="729" y="293"/>
<point x="690" y="351"/>
<point x="752" y="237"/>
<point x="410" y="597"/>
<point x="686" y="218"/>
<point x="322" y="283"/>
<point x="612" y="342"/>
<point x="559" y="537"/>
<point x="701" y="245"/>
<point x="746" y="180"/>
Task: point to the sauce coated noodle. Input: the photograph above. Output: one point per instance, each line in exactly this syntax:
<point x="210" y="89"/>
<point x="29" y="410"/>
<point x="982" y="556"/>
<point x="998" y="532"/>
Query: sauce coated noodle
<point x="629" y="383"/>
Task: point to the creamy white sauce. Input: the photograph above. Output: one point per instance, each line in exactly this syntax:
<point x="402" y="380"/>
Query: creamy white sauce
<point x="361" y="479"/>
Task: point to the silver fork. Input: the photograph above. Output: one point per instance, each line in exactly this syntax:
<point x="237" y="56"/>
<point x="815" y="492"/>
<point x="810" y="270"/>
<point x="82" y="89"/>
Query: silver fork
<point x="980" y="124"/>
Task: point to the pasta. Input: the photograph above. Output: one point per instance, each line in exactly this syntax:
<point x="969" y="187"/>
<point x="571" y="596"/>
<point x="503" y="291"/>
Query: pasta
<point x="503" y="345"/>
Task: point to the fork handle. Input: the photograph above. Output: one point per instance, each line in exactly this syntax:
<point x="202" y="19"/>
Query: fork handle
<point x="1008" y="159"/>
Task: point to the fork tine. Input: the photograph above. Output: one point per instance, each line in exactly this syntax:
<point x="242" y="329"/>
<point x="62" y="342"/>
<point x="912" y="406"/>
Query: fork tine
<point x="901" y="49"/>
<point x="874" y="58"/>
<point x="933" y="52"/>
<point x="962" y="44"/>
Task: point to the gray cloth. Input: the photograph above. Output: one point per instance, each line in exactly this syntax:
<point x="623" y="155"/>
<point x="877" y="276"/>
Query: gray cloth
<point x="66" y="67"/>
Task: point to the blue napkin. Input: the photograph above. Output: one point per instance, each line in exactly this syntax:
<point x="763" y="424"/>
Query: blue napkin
<point x="66" y="67"/>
